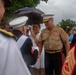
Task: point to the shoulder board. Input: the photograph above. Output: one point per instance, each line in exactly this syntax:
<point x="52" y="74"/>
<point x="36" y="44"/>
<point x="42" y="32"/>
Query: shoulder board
<point x="6" y="33"/>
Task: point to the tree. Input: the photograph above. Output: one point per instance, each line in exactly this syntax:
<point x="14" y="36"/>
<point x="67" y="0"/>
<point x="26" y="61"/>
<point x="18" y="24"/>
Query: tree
<point x="67" y="24"/>
<point x="17" y="4"/>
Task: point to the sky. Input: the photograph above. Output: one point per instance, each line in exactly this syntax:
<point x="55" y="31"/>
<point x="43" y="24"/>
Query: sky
<point x="62" y="9"/>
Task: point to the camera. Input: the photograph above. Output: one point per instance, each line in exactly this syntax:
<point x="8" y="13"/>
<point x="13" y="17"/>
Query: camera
<point x="29" y="26"/>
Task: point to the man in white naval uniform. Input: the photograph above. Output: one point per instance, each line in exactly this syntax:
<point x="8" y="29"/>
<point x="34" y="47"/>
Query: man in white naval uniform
<point x="11" y="61"/>
<point x="24" y="43"/>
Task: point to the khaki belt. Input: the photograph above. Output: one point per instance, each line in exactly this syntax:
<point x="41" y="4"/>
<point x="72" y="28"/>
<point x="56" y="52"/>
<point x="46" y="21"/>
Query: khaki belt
<point x="53" y="51"/>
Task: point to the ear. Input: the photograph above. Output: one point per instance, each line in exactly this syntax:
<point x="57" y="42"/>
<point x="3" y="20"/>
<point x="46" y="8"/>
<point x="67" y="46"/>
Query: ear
<point x="24" y="29"/>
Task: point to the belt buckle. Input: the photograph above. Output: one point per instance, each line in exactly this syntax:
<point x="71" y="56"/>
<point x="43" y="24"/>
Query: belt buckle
<point x="54" y="52"/>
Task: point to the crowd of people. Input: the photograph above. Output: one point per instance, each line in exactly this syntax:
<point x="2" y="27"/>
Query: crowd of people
<point x="41" y="52"/>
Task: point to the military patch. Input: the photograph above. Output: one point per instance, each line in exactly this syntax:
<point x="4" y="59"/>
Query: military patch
<point x="56" y="33"/>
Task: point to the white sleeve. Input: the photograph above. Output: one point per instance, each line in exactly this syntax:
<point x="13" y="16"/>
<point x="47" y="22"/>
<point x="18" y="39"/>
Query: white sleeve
<point x="11" y="61"/>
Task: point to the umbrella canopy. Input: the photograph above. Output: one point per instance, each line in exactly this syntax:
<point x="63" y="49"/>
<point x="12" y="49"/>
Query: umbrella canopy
<point x="33" y="14"/>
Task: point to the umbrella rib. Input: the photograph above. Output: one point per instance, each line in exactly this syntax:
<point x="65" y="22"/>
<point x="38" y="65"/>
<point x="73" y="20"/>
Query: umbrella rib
<point x="32" y="11"/>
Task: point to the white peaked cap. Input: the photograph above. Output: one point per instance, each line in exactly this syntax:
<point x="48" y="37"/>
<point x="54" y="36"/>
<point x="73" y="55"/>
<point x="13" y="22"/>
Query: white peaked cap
<point x="18" y="22"/>
<point x="46" y="17"/>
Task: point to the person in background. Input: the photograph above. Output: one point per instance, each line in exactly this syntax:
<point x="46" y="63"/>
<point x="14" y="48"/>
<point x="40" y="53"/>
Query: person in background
<point x="39" y="66"/>
<point x="74" y="31"/>
<point x="70" y="33"/>
<point x="11" y="61"/>
<point x="52" y="38"/>
<point x="73" y="40"/>
<point x="24" y="43"/>
<point x="7" y="27"/>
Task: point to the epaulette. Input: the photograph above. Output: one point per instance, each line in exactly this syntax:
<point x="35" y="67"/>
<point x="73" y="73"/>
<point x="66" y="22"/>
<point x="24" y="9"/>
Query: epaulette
<point x="6" y="33"/>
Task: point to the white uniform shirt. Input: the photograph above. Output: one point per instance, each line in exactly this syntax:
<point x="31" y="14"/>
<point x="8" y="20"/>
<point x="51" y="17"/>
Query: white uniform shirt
<point x="11" y="61"/>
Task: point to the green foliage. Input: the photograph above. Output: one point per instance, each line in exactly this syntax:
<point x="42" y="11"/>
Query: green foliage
<point x="67" y="24"/>
<point x="17" y="4"/>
